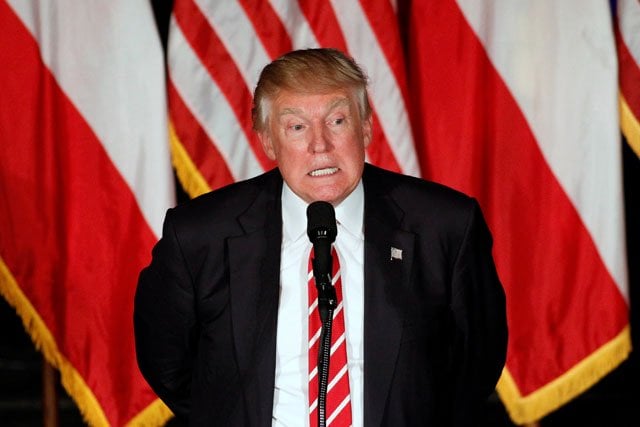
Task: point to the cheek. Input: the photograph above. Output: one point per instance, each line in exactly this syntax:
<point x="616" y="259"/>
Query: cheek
<point x="355" y="151"/>
<point x="293" y="157"/>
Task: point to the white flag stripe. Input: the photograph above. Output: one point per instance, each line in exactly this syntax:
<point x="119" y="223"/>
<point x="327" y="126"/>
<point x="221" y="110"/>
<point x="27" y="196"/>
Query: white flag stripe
<point x="205" y="100"/>
<point x="295" y="22"/>
<point x="576" y="130"/>
<point x="237" y="33"/>
<point x="138" y="150"/>
<point x="338" y="410"/>
<point x="384" y="91"/>
<point x="629" y="19"/>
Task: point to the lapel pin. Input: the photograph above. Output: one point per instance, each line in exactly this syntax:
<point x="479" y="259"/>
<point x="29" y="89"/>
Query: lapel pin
<point x="396" y="253"/>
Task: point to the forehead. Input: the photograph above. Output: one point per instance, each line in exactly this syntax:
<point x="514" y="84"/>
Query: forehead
<point x="293" y="102"/>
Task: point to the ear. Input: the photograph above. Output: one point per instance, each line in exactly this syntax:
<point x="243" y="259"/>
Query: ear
<point x="367" y="125"/>
<point x="267" y="144"/>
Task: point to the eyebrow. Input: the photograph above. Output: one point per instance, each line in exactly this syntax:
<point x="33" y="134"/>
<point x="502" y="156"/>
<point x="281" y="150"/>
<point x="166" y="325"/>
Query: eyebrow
<point x="290" y="110"/>
<point x="335" y="103"/>
<point x="339" y="102"/>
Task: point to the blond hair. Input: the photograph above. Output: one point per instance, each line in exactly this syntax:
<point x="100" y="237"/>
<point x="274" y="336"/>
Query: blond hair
<point x="309" y="71"/>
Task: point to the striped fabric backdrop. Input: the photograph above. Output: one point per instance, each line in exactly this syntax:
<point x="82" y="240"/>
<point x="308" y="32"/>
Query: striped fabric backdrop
<point x="215" y="54"/>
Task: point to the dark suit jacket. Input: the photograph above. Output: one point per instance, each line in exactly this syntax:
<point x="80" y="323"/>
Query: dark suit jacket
<point x="434" y="321"/>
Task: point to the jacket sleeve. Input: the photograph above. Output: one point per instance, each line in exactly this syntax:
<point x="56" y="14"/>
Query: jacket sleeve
<point x="164" y="322"/>
<point x="479" y="316"/>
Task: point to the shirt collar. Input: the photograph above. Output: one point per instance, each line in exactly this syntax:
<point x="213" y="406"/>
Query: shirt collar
<point x="294" y="214"/>
<point x="349" y="213"/>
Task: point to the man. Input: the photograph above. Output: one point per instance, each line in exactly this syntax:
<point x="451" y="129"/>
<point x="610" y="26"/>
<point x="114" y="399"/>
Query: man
<point x="221" y="312"/>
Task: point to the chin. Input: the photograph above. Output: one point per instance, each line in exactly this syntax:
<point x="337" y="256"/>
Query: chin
<point x="327" y="193"/>
<point x="333" y="199"/>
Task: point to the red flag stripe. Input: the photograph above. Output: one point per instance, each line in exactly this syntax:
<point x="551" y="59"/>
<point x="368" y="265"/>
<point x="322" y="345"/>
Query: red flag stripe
<point x="627" y="19"/>
<point x="268" y="27"/>
<point x="629" y="76"/>
<point x="222" y="69"/>
<point x="63" y="231"/>
<point x="530" y="221"/>
<point x="383" y="21"/>
<point x="238" y="35"/>
<point x="628" y="45"/>
<point x="295" y="24"/>
<point x="321" y="18"/>
<point x="379" y="152"/>
<point x="202" y="150"/>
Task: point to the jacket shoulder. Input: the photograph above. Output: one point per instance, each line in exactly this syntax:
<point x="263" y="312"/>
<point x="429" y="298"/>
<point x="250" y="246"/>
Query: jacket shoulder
<point x="230" y="201"/>
<point x="417" y="195"/>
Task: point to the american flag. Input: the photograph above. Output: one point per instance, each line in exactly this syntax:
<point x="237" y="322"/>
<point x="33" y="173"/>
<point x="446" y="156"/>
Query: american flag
<point x="217" y="50"/>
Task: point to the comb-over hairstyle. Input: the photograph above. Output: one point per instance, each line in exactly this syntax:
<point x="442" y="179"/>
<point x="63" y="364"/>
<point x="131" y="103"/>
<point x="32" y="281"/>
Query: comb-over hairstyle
<point x="309" y="71"/>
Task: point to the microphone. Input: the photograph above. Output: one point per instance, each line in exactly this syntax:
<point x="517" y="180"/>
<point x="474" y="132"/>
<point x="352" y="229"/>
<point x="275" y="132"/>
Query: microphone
<point x="322" y="231"/>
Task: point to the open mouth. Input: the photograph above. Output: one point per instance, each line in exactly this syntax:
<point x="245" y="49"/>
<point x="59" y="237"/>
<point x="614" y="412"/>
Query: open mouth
<point x="323" y="172"/>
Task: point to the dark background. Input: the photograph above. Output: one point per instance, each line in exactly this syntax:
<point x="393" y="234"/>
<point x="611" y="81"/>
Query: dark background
<point x="612" y="403"/>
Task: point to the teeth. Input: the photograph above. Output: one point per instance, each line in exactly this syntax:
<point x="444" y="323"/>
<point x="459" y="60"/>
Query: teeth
<point x="323" y="172"/>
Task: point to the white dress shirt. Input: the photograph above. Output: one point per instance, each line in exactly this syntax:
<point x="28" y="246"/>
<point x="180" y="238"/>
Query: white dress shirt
<point x="291" y="393"/>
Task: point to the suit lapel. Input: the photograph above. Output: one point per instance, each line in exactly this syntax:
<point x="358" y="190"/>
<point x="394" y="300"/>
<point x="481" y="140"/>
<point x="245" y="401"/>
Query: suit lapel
<point x="388" y="258"/>
<point x="254" y="276"/>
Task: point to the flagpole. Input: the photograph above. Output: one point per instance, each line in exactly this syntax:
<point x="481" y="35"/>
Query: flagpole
<point x="49" y="395"/>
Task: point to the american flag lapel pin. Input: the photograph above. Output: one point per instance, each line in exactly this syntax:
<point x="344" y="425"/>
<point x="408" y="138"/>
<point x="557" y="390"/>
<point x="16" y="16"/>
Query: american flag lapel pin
<point x="396" y="253"/>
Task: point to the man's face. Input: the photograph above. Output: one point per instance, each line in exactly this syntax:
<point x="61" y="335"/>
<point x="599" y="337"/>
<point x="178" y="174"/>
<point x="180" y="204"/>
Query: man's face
<point x="318" y="141"/>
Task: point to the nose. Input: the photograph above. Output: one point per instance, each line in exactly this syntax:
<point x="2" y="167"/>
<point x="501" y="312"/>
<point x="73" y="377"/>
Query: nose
<point x="320" y="140"/>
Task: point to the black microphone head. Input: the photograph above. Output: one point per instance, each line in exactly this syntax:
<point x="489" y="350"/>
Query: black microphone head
<point x="321" y="222"/>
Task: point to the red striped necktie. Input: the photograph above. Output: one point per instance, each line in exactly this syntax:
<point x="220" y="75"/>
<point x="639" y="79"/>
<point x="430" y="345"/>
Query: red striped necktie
<point x="338" y="402"/>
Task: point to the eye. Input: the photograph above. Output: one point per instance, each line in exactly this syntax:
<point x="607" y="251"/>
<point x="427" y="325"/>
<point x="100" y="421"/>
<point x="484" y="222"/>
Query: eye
<point x="296" y="127"/>
<point x="337" y="121"/>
